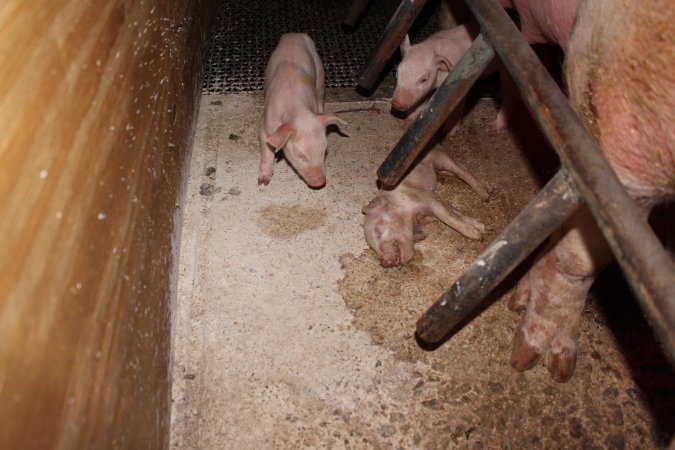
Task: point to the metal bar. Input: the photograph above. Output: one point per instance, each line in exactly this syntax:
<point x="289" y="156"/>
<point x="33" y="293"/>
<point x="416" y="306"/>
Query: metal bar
<point x="392" y="37"/>
<point x="354" y="12"/>
<point x="643" y="260"/>
<point x="546" y="212"/>
<point x="440" y="106"/>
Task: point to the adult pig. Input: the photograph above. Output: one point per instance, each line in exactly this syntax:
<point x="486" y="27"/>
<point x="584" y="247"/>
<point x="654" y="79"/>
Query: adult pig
<point x="395" y="217"/>
<point x="293" y="118"/>
<point x="545" y="21"/>
<point x="620" y="72"/>
<point x="427" y="64"/>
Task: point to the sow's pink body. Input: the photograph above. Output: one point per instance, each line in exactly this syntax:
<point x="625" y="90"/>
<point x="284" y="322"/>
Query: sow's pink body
<point x="620" y="74"/>
<point x="293" y="118"/>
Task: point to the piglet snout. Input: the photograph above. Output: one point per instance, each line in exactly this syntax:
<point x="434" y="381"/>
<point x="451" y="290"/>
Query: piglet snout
<point x="397" y="104"/>
<point x="316" y="182"/>
<point x="390" y="254"/>
<point x="402" y="101"/>
<point x="314" y="176"/>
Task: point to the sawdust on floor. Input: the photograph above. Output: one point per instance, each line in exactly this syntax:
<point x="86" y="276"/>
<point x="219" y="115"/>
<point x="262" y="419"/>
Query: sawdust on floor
<point x="288" y="334"/>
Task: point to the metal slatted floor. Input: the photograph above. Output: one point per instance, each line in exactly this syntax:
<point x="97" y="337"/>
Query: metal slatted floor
<point x="246" y="32"/>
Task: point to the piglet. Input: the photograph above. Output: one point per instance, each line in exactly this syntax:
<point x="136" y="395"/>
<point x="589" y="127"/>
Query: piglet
<point x="427" y="64"/>
<point x="395" y="217"/>
<point x="293" y="118"/>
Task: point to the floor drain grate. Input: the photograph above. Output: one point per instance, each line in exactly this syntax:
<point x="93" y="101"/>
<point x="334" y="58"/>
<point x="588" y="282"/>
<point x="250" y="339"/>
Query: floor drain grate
<point x="246" y="32"/>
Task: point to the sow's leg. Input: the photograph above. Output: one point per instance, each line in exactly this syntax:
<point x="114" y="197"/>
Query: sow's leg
<point x="620" y="70"/>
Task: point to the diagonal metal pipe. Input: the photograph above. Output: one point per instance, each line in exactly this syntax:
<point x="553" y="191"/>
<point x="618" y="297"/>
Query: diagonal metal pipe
<point x="546" y="212"/>
<point x="393" y="35"/>
<point x="647" y="267"/>
<point x="440" y="106"/>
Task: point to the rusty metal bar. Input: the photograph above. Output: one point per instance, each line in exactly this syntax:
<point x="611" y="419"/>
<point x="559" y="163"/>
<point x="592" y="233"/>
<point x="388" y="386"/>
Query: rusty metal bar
<point x="392" y="37"/>
<point x="646" y="265"/>
<point x="546" y="212"/>
<point x="354" y="12"/>
<point x="440" y="106"/>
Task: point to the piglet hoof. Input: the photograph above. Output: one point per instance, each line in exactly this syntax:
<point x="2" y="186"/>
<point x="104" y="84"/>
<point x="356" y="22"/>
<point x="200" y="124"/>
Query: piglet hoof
<point x="487" y="192"/>
<point x="477" y="230"/>
<point x="264" y="180"/>
<point x="499" y="123"/>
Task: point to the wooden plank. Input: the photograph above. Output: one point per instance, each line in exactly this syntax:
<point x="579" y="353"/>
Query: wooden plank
<point x="98" y="103"/>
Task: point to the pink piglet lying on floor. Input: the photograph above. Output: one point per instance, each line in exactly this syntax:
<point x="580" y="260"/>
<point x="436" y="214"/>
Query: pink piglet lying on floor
<point x="394" y="219"/>
<point x="293" y="118"/>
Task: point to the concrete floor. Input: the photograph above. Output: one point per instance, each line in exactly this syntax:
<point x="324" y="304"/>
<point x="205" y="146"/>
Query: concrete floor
<point x="288" y="334"/>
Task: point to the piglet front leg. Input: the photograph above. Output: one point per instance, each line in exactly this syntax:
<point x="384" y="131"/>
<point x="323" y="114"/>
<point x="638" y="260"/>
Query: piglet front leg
<point x="266" y="169"/>
<point x="509" y="98"/>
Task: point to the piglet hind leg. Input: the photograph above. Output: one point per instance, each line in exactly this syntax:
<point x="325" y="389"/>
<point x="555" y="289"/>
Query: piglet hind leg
<point x="266" y="169"/>
<point x="509" y="98"/>
<point x="553" y="294"/>
<point x="446" y="166"/>
<point x="468" y="226"/>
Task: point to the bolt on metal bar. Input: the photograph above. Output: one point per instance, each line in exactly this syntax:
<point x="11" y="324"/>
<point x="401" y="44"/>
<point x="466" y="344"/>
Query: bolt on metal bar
<point x="546" y="212"/>
<point x="392" y="37"/>
<point x="646" y="265"/>
<point x="440" y="106"/>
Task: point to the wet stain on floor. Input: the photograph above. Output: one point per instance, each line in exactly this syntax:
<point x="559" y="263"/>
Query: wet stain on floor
<point x="285" y="222"/>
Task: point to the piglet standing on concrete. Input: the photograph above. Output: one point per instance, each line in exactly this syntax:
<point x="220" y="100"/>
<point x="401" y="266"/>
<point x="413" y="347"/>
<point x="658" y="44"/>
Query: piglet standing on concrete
<point x="394" y="219"/>
<point x="427" y="64"/>
<point x="293" y="118"/>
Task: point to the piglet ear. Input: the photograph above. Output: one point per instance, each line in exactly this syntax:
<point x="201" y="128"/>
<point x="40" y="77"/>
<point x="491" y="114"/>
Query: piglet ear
<point x="378" y="204"/>
<point x="280" y="136"/>
<point x="443" y="64"/>
<point x="405" y="45"/>
<point x="330" y="119"/>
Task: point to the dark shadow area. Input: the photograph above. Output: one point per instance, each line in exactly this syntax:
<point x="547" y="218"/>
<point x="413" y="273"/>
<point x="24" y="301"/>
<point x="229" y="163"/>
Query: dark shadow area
<point x="352" y="27"/>
<point x="650" y="368"/>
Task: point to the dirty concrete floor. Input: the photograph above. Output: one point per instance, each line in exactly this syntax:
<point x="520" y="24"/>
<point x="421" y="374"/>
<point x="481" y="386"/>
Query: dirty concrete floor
<point x="288" y="334"/>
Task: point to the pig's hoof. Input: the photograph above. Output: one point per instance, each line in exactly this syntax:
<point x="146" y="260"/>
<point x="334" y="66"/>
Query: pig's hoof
<point x="486" y="192"/>
<point x="476" y="230"/>
<point x="265" y="180"/>
<point x="552" y="302"/>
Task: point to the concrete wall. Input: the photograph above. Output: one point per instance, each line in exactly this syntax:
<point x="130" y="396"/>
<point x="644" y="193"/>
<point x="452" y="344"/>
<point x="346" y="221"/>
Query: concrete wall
<point x="98" y="102"/>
